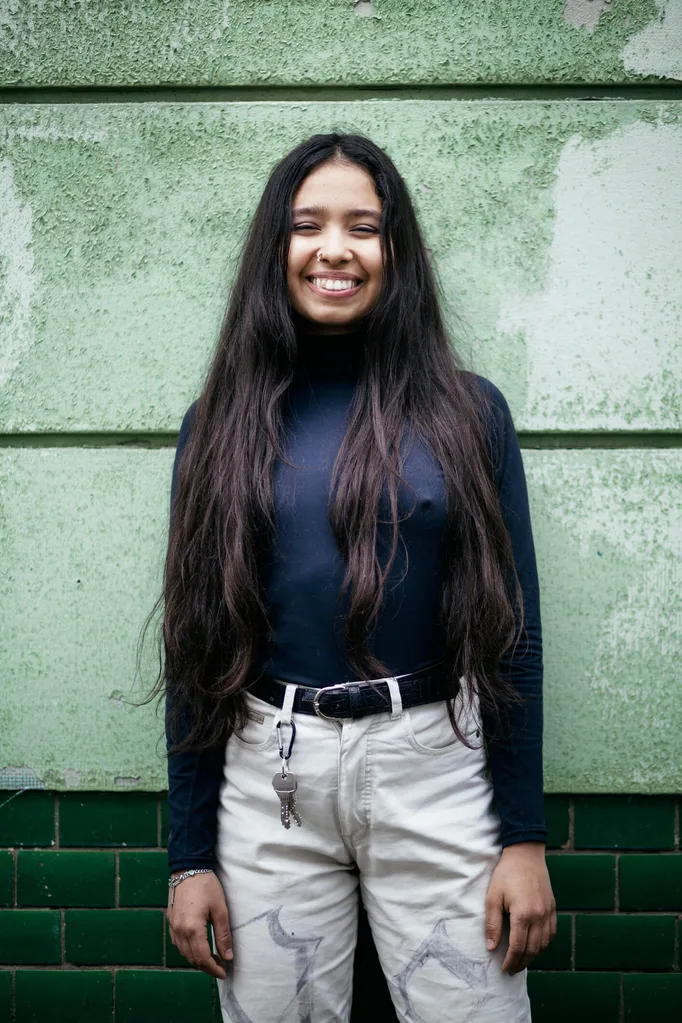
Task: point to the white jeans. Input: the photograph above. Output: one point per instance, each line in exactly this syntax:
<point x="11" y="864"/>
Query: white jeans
<point x="395" y="802"/>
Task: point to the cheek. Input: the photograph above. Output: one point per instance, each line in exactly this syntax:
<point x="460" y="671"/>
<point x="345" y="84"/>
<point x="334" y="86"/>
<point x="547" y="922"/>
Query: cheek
<point x="298" y="258"/>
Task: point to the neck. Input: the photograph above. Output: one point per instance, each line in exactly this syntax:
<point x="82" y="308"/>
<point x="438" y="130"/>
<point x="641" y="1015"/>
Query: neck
<point x="323" y="354"/>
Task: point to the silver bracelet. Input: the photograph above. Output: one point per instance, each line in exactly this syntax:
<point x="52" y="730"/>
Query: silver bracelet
<point x="173" y="882"/>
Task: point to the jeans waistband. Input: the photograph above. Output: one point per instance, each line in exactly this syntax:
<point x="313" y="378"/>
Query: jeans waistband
<point x="359" y="698"/>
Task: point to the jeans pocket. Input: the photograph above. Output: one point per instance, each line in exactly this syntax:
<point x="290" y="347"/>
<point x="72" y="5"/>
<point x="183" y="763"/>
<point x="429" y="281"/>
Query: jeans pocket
<point x="259" y="732"/>
<point x="428" y="730"/>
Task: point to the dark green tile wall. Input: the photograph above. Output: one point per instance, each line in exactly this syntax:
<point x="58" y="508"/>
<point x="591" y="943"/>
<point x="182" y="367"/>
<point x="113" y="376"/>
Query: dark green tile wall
<point x="82" y="926"/>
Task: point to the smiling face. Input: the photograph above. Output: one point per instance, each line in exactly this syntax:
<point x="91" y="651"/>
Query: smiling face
<point x="335" y="213"/>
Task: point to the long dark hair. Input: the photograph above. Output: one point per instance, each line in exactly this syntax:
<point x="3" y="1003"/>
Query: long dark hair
<point x="215" y="614"/>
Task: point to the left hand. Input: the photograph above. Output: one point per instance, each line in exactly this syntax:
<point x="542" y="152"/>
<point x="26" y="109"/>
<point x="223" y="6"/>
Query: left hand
<point x="520" y="886"/>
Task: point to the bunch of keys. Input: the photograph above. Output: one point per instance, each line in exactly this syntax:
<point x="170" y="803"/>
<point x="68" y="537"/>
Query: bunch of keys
<point x="285" y="785"/>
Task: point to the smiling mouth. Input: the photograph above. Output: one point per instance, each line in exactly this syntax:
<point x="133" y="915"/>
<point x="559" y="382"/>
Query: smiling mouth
<point x="335" y="287"/>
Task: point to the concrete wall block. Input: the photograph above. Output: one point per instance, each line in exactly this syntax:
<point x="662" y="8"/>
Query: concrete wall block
<point x="555" y="227"/>
<point x="85" y="533"/>
<point x="339" y="42"/>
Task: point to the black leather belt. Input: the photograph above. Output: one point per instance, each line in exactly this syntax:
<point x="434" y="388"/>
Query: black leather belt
<point x="355" y="699"/>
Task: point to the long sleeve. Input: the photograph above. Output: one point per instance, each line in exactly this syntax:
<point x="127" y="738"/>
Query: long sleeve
<point x="515" y="757"/>
<point x="193" y="777"/>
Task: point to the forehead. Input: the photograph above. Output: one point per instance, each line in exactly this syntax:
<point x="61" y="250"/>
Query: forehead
<point x="338" y="185"/>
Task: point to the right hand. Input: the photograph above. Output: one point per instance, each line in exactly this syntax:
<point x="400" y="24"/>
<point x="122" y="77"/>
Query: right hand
<point x="199" y="899"/>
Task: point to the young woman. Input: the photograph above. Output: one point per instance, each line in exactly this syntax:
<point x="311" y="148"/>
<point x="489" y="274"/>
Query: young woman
<point x="352" y="630"/>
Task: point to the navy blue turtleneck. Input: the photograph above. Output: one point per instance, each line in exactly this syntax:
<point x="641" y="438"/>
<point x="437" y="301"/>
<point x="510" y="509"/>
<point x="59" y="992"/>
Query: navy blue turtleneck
<point x="303" y="575"/>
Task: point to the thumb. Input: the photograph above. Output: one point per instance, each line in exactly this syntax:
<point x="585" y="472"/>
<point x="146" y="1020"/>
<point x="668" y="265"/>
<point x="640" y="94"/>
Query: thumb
<point x="493" y="921"/>
<point x="221" y="930"/>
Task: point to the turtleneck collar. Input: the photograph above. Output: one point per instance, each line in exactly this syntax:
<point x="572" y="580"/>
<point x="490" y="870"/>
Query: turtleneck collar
<point x="329" y="355"/>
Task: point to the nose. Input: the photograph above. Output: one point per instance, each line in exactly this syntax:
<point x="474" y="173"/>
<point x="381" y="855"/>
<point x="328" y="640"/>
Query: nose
<point x="333" y="247"/>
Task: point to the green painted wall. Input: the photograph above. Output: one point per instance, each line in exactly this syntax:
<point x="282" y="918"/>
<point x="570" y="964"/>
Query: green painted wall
<point x="555" y="224"/>
<point x="329" y="42"/>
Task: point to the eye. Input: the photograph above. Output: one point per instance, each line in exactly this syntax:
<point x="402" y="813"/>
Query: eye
<point x="305" y="227"/>
<point x="366" y="229"/>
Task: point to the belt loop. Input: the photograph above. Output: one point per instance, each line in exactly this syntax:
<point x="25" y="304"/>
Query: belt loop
<point x="287" y="704"/>
<point x="396" y="698"/>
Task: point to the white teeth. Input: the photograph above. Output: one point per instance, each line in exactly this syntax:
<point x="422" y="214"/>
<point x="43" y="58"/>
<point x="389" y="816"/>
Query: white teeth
<point x="331" y="284"/>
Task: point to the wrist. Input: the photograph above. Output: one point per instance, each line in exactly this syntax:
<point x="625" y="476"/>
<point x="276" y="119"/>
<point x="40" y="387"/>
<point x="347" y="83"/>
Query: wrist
<point x="536" y="849"/>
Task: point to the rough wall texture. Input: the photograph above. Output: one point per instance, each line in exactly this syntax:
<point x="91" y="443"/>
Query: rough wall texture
<point x="555" y="228"/>
<point x="84" y="529"/>
<point x="330" y="42"/>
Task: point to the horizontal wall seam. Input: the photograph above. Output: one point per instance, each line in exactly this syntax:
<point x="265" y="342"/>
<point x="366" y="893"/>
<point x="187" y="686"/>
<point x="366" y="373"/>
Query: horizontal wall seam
<point x="541" y="440"/>
<point x="655" y="90"/>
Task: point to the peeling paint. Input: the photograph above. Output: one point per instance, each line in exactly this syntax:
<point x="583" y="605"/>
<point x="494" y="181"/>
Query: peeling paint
<point x="72" y="779"/>
<point x="611" y="297"/>
<point x="585" y="13"/>
<point x="20" y="778"/>
<point x="18" y="278"/>
<point x="253" y="42"/>
<point x="127" y="782"/>
<point x="657" y="48"/>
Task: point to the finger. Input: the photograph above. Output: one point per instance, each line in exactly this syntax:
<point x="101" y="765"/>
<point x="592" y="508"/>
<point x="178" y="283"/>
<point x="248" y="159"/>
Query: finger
<point x="518" y="933"/>
<point x="493" y="922"/>
<point x="546" y="933"/>
<point x="533" y="944"/>
<point x="183" y="948"/>
<point x="203" y="958"/>
<point x="221" y="929"/>
<point x="552" y="923"/>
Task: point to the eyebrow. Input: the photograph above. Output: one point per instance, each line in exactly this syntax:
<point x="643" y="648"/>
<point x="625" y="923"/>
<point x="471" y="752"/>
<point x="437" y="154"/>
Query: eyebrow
<point x="317" y="210"/>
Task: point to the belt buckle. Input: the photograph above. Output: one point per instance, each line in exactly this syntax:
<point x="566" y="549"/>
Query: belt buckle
<point x="316" y="700"/>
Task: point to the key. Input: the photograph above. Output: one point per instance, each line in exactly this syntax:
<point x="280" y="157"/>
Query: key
<point x="285" y="787"/>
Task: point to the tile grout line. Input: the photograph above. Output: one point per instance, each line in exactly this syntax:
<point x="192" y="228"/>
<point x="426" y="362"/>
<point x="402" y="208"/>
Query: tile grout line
<point x="56" y="820"/>
<point x="616" y="908"/>
<point x="117" y="878"/>
<point x="621" y="1013"/>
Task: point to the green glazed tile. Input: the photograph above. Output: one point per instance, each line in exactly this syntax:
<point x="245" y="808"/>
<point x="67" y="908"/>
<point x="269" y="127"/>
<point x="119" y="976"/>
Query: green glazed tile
<point x="556" y="818"/>
<point x="29" y="936"/>
<point x="624" y="942"/>
<point x="583" y="881"/>
<point x="574" y="997"/>
<point x="6" y="878"/>
<point x="5" y="994"/>
<point x="64" y="996"/>
<point x="649" y="998"/>
<point x="65" y="878"/>
<point x="104" y="818"/>
<point x="650" y="881"/>
<point x="624" y="822"/>
<point x="557" y="955"/>
<point x="27" y="818"/>
<point x="163" y="996"/>
<point x="119" y="937"/>
<point x="143" y="878"/>
<point x="164" y="819"/>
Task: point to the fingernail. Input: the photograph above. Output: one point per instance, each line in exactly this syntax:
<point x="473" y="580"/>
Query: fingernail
<point x="491" y="944"/>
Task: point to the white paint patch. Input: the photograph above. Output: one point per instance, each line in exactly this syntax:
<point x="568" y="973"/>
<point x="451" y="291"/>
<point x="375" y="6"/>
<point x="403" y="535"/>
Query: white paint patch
<point x="585" y="13"/>
<point x="18" y="278"/>
<point x="224" y="20"/>
<point x="128" y="783"/>
<point x="20" y="778"/>
<point x="54" y="133"/>
<point x="604" y="333"/>
<point x="363" y="9"/>
<point x="72" y="779"/>
<point x="657" y="49"/>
